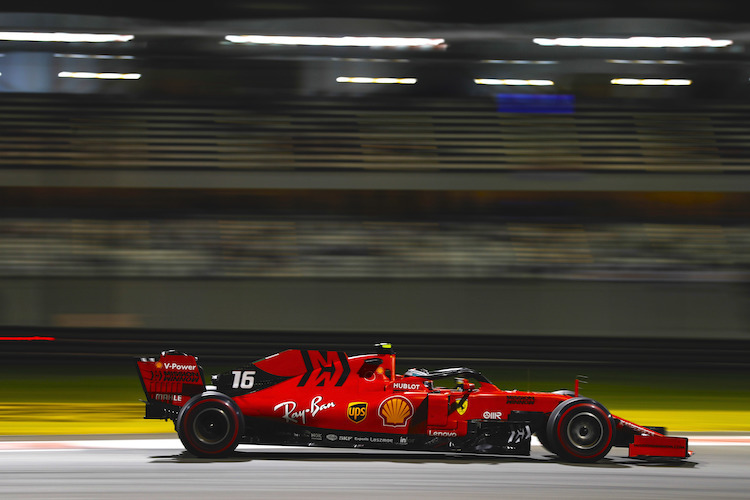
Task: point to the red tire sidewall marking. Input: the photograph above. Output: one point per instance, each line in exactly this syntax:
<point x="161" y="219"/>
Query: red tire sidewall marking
<point x="187" y="421"/>
<point x="595" y="409"/>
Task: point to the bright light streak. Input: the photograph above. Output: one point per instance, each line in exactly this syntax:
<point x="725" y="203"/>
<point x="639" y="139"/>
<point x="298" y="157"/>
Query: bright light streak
<point x="512" y="81"/>
<point x="92" y="56"/>
<point x="651" y="81"/>
<point x="345" y="41"/>
<point x="365" y="79"/>
<point x="634" y="41"/>
<point x="19" y="36"/>
<point x="361" y="59"/>
<point x="99" y="76"/>
<point x="28" y="338"/>
<point x="515" y="61"/>
<point x="643" y="61"/>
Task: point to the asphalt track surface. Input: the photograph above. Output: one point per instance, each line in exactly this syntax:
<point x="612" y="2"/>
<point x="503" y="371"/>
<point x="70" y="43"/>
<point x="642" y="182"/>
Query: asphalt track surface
<point x="160" y="468"/>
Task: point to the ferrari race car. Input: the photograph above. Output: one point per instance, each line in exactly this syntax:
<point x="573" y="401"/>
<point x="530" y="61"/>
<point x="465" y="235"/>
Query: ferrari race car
<point x="326" y="398"/>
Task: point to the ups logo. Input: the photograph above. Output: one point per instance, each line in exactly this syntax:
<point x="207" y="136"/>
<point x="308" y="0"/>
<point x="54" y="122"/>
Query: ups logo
<point x="356" y="412"/>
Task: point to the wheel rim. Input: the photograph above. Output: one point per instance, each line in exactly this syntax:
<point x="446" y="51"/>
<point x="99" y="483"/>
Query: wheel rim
<point x="585" y="431"/>
<point x="211" y="426"/>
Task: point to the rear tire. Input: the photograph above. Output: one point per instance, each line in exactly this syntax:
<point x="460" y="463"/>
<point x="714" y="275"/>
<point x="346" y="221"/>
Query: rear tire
<point x="210" y="425"/>
<point x="580" y="430"/>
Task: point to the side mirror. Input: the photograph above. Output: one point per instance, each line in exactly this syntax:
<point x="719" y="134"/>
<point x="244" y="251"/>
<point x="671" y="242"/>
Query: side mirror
<point x="466" y="386"/>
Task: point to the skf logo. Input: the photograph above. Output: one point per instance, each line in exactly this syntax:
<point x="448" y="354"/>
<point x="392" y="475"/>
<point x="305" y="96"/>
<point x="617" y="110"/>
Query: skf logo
<point x="356" y="412"/>
<point x="396" y="411"/>
<point x="462" y="406"/>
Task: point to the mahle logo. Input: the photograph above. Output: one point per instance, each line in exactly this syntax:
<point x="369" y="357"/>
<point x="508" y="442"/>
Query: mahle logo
<point x="357" y="412"/>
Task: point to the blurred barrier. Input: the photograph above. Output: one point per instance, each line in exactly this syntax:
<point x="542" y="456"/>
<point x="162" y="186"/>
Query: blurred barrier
<point x="639" y="311"/>
<point x="102" y="345"/>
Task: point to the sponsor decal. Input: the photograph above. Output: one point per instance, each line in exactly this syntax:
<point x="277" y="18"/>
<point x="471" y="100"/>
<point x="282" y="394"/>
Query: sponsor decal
<point x="164" y="376"/>
<point x="372" y="439"/>
<point x="520" y="400"/>
<point x="431" y="432"/>
<point x="330" y="367"/>
<point x="403" y="386"/>
<point x="403" y="440"/>
<point x="177" y="366"/>
<point x="357" y="411"/>
<point x="462" y="406"/>
<point x="492" y="415"/>
<point x="381" y="440"/>
<point x="396" y="411"/>
<point x="345" y="438"/>
<point x="332" y="437"/>
<point x="169" y="398"/>
<point x="294" y="416"/>
<point x="317" y="436"/>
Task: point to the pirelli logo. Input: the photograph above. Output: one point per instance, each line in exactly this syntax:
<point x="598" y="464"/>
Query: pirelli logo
<point x="357" y="412"/>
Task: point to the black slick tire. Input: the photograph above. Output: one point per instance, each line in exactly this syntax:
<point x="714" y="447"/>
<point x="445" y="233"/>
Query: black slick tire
<point x="580" y="430"/>
<point x="210" y="425"/>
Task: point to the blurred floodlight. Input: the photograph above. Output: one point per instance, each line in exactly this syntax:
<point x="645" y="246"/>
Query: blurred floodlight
<point x="512" y="81"/>
<point x="93" y="56"/>
<point x="22" y="36"/>
<point x="651" y="81"/>
<point x="634" y="42"/>
<point x="366" y="79"/>
<point x="515" y="61"/>
<point x="99" y="76"/>
<point x="644" y="61"/>
<point x="362" y="59"/>
<point x="344" y="41"/>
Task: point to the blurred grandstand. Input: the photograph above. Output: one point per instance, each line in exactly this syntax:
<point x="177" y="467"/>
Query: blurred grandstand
<point x="177" y="179"/>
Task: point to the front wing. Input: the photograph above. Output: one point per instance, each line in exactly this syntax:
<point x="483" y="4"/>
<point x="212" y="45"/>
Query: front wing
<point x="644" y="442"/>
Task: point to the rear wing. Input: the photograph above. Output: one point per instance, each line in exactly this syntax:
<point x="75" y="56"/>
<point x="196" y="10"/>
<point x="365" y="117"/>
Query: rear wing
<point x="169" y="382"/>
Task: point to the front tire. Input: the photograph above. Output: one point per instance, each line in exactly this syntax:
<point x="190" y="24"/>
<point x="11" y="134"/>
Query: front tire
<point x="210" y="425"/>
<point x="541" y="435"/>
<point x="580" y="430"/>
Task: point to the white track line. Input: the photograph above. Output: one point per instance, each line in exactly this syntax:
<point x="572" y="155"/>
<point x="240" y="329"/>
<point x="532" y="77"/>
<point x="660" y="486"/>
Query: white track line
<point x="150" y="444"/>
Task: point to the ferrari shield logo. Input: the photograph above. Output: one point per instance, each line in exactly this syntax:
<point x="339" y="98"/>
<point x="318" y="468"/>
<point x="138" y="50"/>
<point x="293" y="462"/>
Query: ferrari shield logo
<point x="357" y="412"/>
<point x="461" y="407"/>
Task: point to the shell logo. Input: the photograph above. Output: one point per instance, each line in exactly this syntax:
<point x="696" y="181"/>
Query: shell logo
<point x="396" y="411"/>
<point x="158" y="365"/>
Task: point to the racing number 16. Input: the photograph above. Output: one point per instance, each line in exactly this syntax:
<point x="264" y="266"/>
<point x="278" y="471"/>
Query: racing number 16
<point x="243" y="379"/>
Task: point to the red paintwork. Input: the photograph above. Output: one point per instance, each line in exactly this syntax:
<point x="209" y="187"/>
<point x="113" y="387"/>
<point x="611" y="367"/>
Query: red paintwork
<point x="659" y="446"/>
<point x="649" y="443"/>
<point x="330" y="390"/>
<point x="320" y="402"/>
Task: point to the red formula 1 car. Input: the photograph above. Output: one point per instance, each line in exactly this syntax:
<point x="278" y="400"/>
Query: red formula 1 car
<point x="326" y="398"/>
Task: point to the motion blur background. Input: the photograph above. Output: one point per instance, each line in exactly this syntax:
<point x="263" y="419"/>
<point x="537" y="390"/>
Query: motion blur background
<point x="544" y="185"/>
